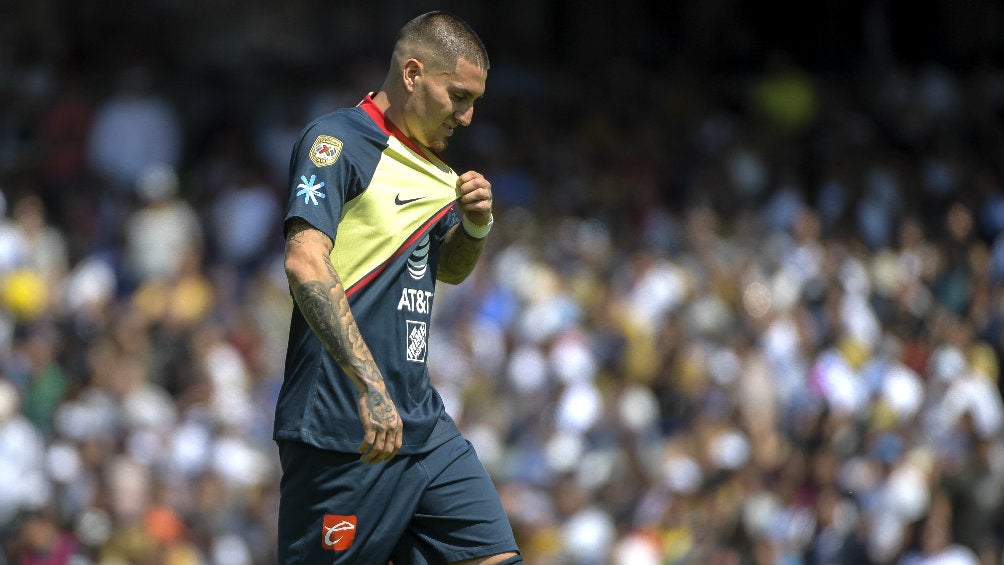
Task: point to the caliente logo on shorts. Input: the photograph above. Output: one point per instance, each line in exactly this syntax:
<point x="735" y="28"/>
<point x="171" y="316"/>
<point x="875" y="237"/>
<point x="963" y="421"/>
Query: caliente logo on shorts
<point x="338" y="532"/>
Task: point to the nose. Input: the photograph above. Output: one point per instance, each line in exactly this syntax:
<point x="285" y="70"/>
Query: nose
<point x="465" y="115"/>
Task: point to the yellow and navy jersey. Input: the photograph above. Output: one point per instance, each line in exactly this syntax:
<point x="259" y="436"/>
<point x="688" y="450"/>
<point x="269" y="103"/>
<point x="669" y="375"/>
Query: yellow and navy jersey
<point x="387" y="204"/>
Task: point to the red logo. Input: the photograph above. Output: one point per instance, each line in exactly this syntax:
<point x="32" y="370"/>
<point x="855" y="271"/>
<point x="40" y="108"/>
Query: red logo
<point x="338" y="532"/>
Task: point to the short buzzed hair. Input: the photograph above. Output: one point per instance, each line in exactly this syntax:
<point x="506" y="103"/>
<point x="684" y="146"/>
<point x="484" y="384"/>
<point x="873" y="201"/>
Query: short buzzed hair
<point x="440" y="40"/>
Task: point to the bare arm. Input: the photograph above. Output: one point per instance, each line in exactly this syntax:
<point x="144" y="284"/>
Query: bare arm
<point x="321" y="297"/>
<point x="460" y="251"/>
<point x="458" y="255"/>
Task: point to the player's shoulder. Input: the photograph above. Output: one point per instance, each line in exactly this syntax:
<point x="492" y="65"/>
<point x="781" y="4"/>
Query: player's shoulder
<point x="342" y="123"/>
<point x="345" y="135"/>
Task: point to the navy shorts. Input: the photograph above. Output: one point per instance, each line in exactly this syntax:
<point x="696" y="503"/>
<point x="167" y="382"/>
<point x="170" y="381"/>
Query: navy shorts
<point x="427" y="509"/>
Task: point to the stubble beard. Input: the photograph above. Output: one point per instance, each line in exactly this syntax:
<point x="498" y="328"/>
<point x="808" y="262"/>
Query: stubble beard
<point x="439" y="146"/>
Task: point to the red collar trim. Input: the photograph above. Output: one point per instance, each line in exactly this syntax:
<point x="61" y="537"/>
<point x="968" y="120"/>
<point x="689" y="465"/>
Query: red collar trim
<point x="374" y="111"/>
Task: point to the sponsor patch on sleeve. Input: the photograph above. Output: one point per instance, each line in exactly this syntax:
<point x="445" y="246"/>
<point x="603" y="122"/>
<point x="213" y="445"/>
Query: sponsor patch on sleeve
<point x="325" y="150"/>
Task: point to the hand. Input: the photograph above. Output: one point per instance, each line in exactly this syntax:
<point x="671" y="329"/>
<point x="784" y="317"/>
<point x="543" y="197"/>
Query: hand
<point x="383" y="431"/>
<point x="474" y="197"/>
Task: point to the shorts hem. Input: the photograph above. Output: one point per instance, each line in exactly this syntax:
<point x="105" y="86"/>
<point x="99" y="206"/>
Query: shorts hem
<point x="487" y="551"/>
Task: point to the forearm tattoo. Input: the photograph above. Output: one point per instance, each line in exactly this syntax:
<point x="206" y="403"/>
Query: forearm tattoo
<point x="322" y="301"/>
<point x="326" y="309"/>
<point x="458" y="255"/>
<point x="332" y="321"/>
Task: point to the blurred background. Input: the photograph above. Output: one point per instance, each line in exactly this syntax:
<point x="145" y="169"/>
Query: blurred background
<point x="742" y="304"/>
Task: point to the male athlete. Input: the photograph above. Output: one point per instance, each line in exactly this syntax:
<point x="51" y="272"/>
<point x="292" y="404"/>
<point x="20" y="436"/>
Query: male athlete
<point x="374" y="470"/>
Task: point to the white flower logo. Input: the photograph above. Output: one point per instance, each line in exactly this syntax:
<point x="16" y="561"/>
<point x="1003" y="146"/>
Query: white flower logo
<point x="309" y="190"/>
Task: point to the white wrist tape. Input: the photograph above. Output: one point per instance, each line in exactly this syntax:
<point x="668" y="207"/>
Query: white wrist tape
<point x="477" y="231"/>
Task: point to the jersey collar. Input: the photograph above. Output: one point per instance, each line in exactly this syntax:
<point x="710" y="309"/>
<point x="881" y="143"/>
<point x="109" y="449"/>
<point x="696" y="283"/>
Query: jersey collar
<point x="374" y="112"/>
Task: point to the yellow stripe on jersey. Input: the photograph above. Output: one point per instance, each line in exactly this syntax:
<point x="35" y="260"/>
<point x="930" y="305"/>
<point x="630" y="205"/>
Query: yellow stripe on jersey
<point x="405" y="191"/>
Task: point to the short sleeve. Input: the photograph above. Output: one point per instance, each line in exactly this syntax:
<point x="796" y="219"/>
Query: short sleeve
<point x="321" y="177"/>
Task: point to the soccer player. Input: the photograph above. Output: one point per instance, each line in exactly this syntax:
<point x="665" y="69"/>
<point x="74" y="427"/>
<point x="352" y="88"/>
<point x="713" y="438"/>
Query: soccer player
<point x="374" y="469"/>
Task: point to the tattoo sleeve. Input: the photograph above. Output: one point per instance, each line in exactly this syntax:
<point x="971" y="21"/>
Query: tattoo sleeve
<point x="322" y="301"/>
<point x="458" y="255"/>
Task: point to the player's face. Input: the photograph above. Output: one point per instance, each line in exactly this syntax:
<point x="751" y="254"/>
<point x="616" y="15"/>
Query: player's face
<point x="442" y="101"/>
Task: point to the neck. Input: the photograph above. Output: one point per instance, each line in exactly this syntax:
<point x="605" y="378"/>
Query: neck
<point x="393" y="111"/>
<point x="382" y="100"/>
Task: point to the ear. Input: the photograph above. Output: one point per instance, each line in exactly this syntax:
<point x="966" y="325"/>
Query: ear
<point x="411" y="72"/>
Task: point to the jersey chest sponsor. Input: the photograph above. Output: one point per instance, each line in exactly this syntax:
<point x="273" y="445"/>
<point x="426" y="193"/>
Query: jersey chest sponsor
<point x="415" y="300"/>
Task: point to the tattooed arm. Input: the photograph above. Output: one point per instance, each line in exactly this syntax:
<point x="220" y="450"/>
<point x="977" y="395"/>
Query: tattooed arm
<point x="460" y="251"/>
<point x="319" y="293"/>
<point x="458" y="255"/>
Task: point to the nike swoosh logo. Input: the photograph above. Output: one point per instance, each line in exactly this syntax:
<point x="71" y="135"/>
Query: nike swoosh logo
<point x="399" y="202"/>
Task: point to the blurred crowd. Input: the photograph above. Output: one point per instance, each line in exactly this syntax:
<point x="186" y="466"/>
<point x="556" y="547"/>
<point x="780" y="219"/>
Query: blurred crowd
<point x="746" y="318"/>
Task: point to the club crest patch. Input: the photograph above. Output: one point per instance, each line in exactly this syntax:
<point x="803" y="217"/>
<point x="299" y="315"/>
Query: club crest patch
<point x="325" y="150"/>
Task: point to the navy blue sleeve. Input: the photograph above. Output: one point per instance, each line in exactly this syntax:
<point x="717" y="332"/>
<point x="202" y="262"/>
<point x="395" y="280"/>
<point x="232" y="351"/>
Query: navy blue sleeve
<point x="321" y="175"/>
